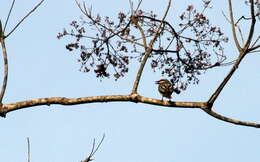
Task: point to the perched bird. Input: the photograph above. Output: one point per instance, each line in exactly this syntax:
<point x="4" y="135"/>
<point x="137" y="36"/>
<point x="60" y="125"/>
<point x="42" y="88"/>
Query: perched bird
<point x="165" y="88"/>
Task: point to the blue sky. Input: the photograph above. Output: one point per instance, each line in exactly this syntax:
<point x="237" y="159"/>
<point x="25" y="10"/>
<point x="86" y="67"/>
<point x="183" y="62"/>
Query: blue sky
<point x="41" y="67"/>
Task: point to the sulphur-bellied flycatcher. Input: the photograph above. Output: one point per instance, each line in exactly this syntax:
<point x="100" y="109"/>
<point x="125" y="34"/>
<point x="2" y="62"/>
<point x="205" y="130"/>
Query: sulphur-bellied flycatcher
<point x="165" y="88"/>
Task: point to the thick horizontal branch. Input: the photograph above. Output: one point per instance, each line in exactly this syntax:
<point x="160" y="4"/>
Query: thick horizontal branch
<point x="6" y="108"/>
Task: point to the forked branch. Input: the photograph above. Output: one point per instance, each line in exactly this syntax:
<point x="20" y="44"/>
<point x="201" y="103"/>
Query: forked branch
<point x="148" y="50"/>
<point x="10" y="11"/>
<point x="94" y="149"/>
<point x="134" y="96"/>
<point x="224" y="82"/>
<point x="242" y="51"/>
<point x="4" y="51"/>
<point x="27" y="15"/>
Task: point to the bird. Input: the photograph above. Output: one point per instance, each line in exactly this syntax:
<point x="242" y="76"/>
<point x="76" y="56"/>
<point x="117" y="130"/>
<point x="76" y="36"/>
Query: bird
<point x="165" y="88"/>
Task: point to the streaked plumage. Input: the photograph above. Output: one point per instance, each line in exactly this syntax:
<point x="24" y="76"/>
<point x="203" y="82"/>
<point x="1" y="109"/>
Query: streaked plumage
<point x="165" y="88"/>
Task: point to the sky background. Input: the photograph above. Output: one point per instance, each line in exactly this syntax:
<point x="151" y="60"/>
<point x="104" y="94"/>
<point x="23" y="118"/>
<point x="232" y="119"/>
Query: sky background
<point x="40" y="66"/>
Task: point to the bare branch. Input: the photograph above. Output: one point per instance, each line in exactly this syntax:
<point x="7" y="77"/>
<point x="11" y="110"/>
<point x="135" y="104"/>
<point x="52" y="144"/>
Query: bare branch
<point x="131" y="7"/>
<point x="6" y="108"/>
<point x="242" y="18"/>
<point x="226" y="119"/>
<point x="233" y="25"/>
<point x="94" y="150"/>
<point x="256" y="51"/>
<point x="224" y="82"/>
<point x="236" y="25"/>
<point x="10" y="11"/>
<point x="254" y="48"/>
<point x="139" y="4"/>
<point x="16" y="26"/>
<point x="149" y="50"/>
<point x="4" y="51"/>
<point x="142" y="34"/>
<point x="257" y="39"/>
<point x="88" y="14"/>
<point x="115" y="98"/>
<point x="28" y="149"/>
<point x="241" y="34"/>
<point x="241" y="53"/>
<point x="252" y="27"/>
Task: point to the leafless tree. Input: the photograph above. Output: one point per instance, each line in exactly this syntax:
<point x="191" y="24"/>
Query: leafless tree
<point x="138" y="36"/>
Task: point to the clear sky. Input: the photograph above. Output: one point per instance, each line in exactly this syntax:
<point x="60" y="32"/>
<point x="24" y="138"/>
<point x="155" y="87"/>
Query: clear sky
<point x="41" y="67"/>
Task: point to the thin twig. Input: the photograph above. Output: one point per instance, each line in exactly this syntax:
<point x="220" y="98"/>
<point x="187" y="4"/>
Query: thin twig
<point x="252" y="27"/>
<point x="233" y="25"/>
<point x="242" y="17"/>
<point x="131" y="7"/>
<point x="16" y="26"/>
<point x="117" y="33"/>
<point x="139" y="4"/>
<point x="228" y="63"/>
<point x="10" y="11"/>
<point x="94" y="149"/>
<point x="257" y="39"/>
<point x="28" y="150"/>
<point x="254" y="48"/>
<point x="256" y="51"/>
<point x="236" y="25"/>
<point x="142" y="34"/>
<point x="241" y="34"/>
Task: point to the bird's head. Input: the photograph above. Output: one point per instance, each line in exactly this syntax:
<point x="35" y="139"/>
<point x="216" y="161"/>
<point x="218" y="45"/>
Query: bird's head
<point x="162" y="81"/>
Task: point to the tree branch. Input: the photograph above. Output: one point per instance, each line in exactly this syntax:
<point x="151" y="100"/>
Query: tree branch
<point x="28" y="150"/>
<point x="148" y="51"/>
<point x="257" y="39"/>
<point x="16" y="26"/>
<point x="6" y="108"/>
<point x="224" y="82"/>
<point x="94" y="149"/>
<point x="10" y="11"/>
<point x="236" y="25"/>
<point x="233" y="25"/>
<point x="242" y="52"/>
<point x="142" y="35"/>
<point x="252" y="27"/>
<point x="4" y="84"/>
<point x="254" y="48"/>
<point x="226" y="119"/>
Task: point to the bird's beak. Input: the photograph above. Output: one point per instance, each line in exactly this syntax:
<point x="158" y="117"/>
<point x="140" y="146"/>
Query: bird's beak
<point x="157" y="82"/>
